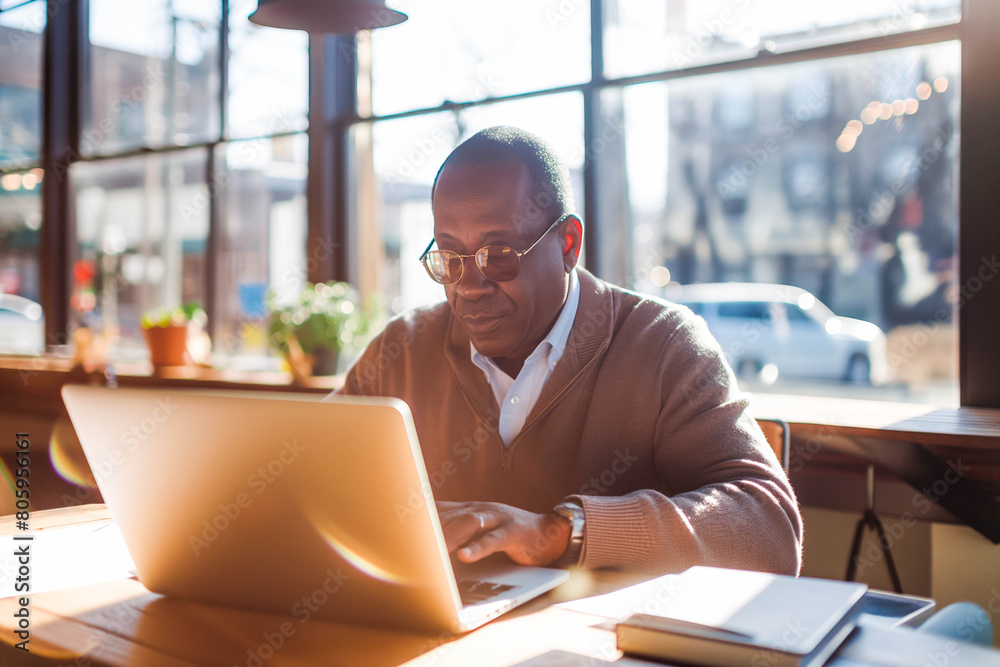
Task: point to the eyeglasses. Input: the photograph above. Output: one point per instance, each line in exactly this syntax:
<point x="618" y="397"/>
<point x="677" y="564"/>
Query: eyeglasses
<point x="498" y="263"/>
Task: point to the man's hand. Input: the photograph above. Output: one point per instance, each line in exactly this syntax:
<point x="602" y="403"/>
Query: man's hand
<point x="481" y="529"/>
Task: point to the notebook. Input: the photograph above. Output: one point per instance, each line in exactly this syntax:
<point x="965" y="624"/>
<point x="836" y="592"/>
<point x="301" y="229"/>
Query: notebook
<point x="715" y="616"/>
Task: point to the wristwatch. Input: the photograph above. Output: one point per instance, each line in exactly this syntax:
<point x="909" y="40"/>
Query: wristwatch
<point x="573" y="513"/>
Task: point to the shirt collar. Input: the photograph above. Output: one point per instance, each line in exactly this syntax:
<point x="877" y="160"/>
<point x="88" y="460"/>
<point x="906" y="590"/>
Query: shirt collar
<point x="555" y="341"/>
<point x="559" y="333"/>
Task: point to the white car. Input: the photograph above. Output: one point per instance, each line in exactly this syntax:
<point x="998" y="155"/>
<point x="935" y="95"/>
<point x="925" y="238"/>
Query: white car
<point x="22" y="327"/>
<point x="767" y="331"/>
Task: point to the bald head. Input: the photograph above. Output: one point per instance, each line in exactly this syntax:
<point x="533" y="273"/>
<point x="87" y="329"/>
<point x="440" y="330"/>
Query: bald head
<point x="550" y="190"/>
<point x="507" y="187"/>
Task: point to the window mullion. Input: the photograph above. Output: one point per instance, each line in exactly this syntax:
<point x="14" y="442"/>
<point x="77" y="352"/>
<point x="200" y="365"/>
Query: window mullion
<point x="65" y="46"/>
<point x="332" y="108"/>
<point x="213" y="249"/>
<point x="979" y="200"/>
<point x="591" y="118"/>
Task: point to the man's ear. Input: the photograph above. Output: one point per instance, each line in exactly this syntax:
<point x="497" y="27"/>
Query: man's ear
<point x="571" y="238"/>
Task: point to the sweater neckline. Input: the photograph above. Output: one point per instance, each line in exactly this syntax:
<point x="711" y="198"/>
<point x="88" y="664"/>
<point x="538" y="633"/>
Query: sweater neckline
<point x="590" y="335"/>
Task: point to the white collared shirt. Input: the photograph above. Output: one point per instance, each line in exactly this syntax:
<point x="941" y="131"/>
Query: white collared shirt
<point x="517" y="396"/>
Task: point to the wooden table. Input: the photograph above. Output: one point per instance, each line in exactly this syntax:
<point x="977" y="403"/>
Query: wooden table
<point x="951" y="455"/>
<point x="121" y="622"/>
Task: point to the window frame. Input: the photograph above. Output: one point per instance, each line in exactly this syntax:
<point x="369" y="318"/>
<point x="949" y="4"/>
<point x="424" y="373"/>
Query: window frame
<point x="66" y="52"/>
<point x="334" y="111"/>
<point x="977" y="196"/>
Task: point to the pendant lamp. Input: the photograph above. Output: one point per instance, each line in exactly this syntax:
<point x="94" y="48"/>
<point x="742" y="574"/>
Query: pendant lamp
<point x="326" y="16"/>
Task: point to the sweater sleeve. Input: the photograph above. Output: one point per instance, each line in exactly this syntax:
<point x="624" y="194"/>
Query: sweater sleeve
<point x="724" y="499"/>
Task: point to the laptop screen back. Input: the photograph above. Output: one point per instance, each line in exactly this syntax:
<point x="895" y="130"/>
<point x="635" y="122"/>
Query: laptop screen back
<point x="289" y="505"/>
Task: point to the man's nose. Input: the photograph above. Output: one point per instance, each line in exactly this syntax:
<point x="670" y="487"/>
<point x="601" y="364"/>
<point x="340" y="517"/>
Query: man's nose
<point x="474" y="284"/>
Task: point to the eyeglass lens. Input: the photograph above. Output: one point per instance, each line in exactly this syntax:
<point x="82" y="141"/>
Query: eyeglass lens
<point x="498" y="263"/>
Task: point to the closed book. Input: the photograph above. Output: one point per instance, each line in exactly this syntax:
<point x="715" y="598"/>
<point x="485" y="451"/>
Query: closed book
<point x="716" y="616"/>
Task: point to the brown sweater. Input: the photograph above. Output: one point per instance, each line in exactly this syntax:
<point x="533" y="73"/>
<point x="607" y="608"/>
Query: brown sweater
<point x="640" y="422"/>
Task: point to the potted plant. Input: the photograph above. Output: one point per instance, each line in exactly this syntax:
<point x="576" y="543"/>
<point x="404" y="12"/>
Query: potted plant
<point x="311" y="330"/>
<point x="167" y="332"/>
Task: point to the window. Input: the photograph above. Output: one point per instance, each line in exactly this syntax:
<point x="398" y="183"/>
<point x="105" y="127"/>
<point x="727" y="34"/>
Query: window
<point x="21" y="27"/>
<point x="153" y="79"/>
<point x="188" y="179"/>
<point x="21" y="176"/>
<point x="717" y="141"/>
<point x="142" y="227"/>
<point x="830" y="165"/>
<point x="833" y="176"/>
<point x="262" y="240"/>
<point x="796" y="314"/>
<point x="268" y="77"/>
<point x="745" y="310"/>
<point x="457" y="51"/>
<point x="643" y="37"/>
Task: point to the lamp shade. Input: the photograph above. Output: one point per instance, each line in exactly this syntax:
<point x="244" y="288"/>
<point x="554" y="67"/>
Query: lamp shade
<point x="326" y="16"/>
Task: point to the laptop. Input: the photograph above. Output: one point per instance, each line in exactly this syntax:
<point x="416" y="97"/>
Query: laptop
<point x="286" y="504"/>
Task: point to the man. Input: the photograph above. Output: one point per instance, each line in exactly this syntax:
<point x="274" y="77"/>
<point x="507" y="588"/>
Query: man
<point x="564" y="420"/>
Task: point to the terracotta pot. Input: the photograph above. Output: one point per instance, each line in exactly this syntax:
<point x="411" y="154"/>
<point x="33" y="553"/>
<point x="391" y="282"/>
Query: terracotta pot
<point x="167" y="345"/>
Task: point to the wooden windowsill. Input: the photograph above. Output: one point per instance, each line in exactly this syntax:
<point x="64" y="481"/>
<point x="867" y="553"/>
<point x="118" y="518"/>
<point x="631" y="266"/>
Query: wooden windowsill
<point x="35" y="376"/>
<point x="927" y="424"/>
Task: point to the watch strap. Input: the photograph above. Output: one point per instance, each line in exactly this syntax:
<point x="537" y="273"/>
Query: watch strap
<point x="573" y="513"/>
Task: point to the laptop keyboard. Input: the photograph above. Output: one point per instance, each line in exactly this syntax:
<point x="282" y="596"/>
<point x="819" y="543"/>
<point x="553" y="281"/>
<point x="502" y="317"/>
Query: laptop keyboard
<point x="472" y="591"/>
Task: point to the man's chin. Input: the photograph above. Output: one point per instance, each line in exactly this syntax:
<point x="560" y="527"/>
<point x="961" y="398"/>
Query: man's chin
<point x="487" y="332"/>
<point x="489" y="344"/>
